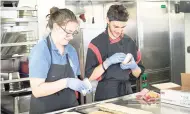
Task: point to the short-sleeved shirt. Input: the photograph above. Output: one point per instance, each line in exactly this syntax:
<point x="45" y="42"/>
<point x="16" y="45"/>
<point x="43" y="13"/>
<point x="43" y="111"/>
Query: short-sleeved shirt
<point x="102" y="47"/>
<point x="40" y="59"/>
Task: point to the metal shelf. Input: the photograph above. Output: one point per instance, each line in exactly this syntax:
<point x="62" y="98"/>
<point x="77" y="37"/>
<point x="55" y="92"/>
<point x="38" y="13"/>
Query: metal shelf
<point x="17" y="44"/>
<point x="16" y="8"/>
<point x="14" y="80"/>
<point x="20" y="30"/>
<point x="157" y="70"/>
<point x="11" y="20"/>
<point x="9" y="0"/>
<point x="23" y="90"/>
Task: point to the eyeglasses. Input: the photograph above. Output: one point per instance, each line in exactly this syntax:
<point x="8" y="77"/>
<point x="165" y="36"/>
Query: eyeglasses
<point x="68" y="34"/>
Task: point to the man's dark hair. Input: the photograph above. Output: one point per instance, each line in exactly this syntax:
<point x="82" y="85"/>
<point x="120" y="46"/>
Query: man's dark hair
<point x="117" y="13"/>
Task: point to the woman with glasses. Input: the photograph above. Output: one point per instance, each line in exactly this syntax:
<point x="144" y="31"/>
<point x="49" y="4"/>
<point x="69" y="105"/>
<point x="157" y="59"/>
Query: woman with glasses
<point x="54" y="65"/>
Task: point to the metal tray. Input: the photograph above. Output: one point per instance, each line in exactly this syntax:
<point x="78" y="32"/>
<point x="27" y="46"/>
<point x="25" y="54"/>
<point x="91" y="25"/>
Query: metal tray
<point x="122" y="102"/>
<point x="92" y="108"/>
<point x="85" y="109"/>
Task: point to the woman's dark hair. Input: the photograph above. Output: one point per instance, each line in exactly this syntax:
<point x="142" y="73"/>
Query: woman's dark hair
<point x="117" y="13"/>
<point x="60" y="16"/>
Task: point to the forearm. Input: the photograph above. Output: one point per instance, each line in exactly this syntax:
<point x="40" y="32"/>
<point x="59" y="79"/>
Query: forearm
<point x="49" y="88"/>
<point x="136" y="72"/>
<point x="98" y="71"/>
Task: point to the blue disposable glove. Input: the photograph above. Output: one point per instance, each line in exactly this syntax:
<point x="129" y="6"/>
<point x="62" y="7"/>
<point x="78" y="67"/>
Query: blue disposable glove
<point x="114" y="59"/>
<point x="88" y="85"/>
<point x="94" y="85"/>
<point x="75" y="84"/>
<point x="131" y="65"/>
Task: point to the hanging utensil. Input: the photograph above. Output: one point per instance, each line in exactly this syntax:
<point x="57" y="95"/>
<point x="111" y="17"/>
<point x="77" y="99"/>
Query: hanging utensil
<point x="93" y="21"/>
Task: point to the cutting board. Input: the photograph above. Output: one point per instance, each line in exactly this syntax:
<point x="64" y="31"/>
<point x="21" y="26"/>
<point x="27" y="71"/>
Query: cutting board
<point x="100" y="112"/>
<point x="70" y="113"/>
<point x="117" y="109"/>
<point x="165" y="85"/>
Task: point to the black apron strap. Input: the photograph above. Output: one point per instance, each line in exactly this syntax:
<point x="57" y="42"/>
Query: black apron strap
<point x="67" y="57"/>
<point x="67" y="62"/>
<point x="49" y="46"/>
<point x="50" y="50"/>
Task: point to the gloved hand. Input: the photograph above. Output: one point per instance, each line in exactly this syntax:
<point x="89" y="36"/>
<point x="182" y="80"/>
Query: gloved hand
<point x="94" y="85"/>
<point x="114" y="59"/>
<point x="88" y="85"/>
<point x="131" y="65"/>
<point x="75" y="84"/>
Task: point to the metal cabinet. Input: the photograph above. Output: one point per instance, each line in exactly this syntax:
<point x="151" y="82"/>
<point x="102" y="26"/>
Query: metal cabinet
<point x="15" y="104"/>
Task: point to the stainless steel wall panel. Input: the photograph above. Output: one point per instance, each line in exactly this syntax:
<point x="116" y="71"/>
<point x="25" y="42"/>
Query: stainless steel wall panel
<point x="153" y="35"/>
<point x="77" y="43"/>
<point x="177" y="44"/>
<point x="131" y="28"/>
<point x="187" y="42"/>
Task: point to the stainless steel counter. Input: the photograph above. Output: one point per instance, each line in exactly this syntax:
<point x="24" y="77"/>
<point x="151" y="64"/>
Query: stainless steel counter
<point x="130" y="101"/>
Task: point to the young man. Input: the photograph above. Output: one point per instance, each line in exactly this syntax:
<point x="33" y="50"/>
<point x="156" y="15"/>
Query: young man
<point x="106" y="53"/>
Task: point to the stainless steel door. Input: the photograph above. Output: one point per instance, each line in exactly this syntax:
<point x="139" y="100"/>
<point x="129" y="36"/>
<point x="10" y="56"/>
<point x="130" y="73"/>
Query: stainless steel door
<point x="153" y="39"/>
